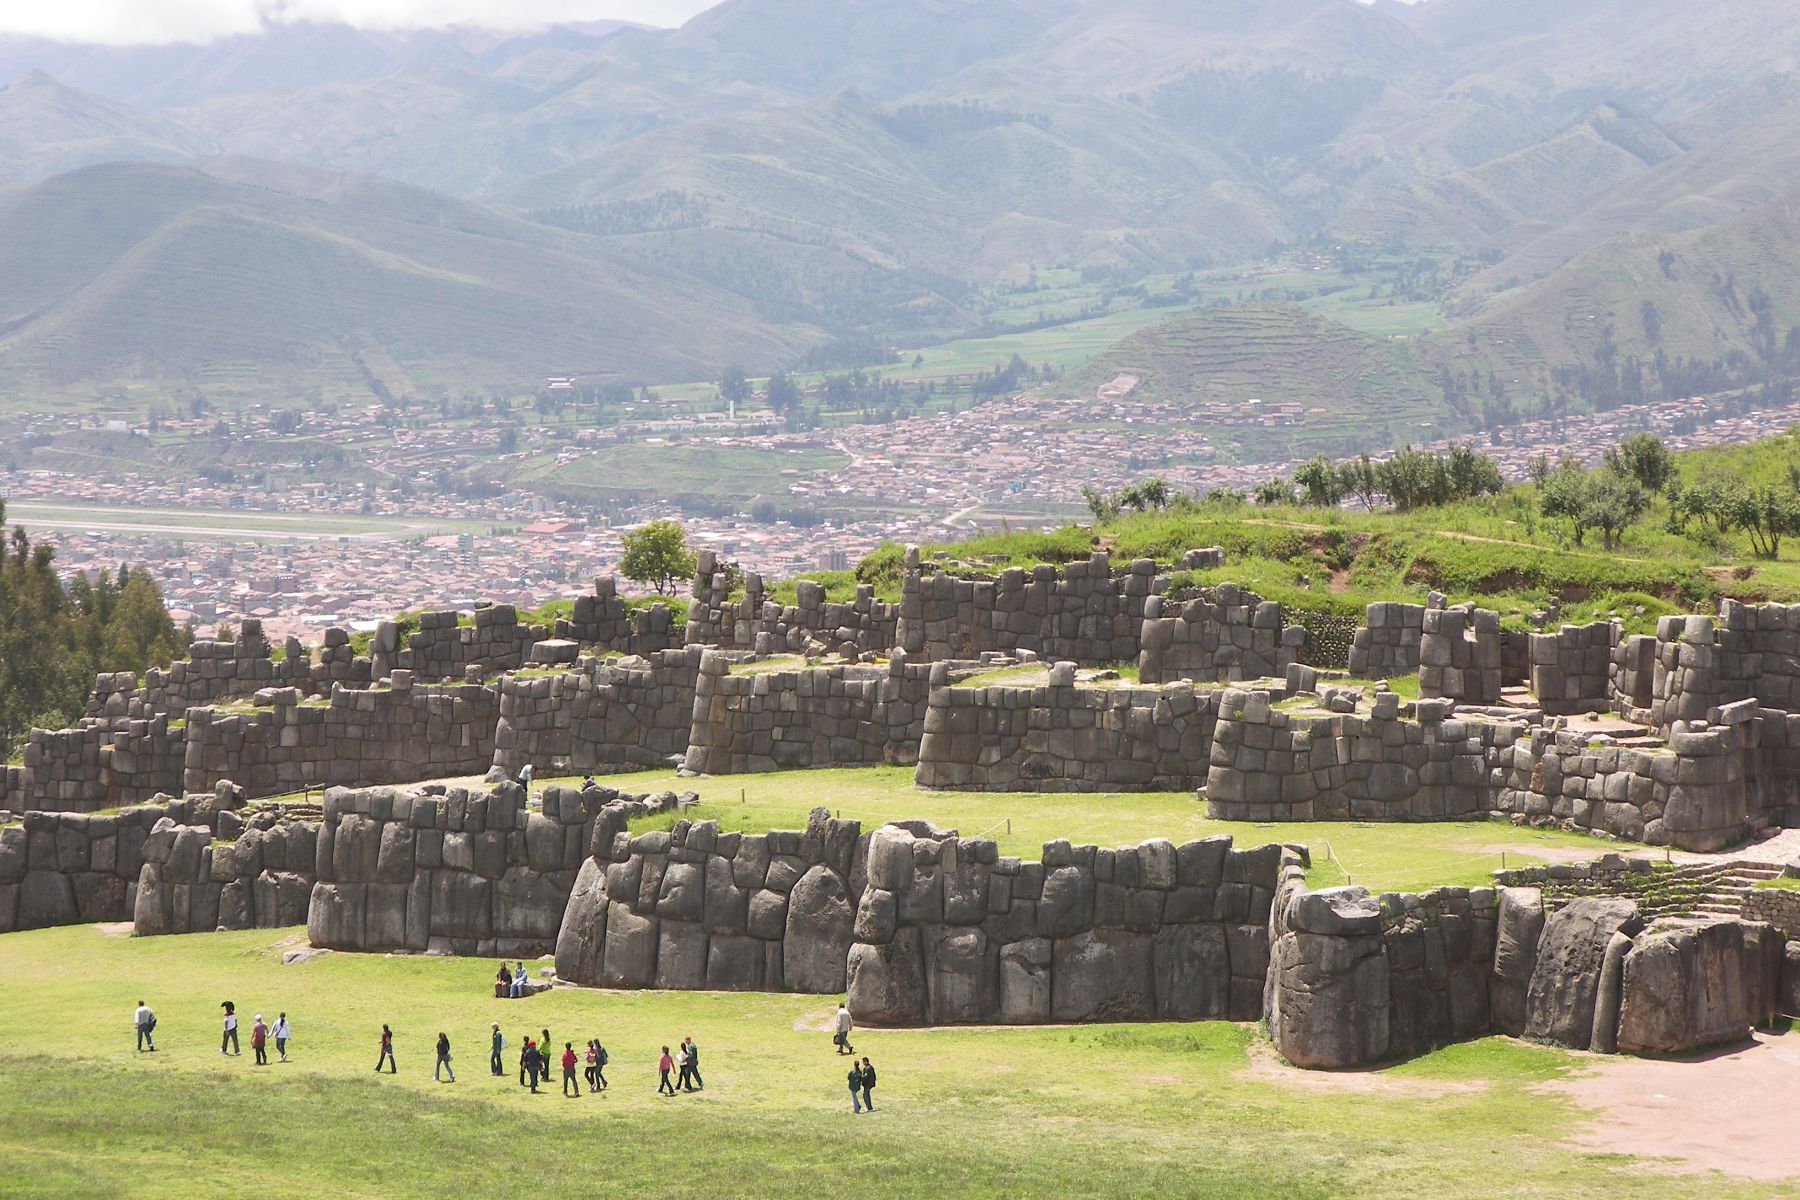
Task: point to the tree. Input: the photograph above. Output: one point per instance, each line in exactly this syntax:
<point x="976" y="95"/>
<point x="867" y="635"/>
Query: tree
<point x="733" y="385"/>
<point x="1104" y="507"/>
<point x="1274" y="491"/>
<point x="782" y="393"/>
<point x="1357" y="477"/>
<point x="658" y="554"/>
<point x="1766" y="513"/>
<point x="1612" y="502"/>
<point x="1643" y="457"/>
<point x="1562" y="492"/>
<point x="1317" y="482"/>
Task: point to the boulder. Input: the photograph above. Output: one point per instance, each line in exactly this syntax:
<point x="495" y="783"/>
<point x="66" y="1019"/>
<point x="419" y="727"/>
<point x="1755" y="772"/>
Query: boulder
<point x="962" y="977"/>
<point x="681" y="956"/>
<point x="1519" y="925"/>
<point x="1193" y="972"/>
<point x="1559" y="1003"/>
<point x="334" y="919"/>
<point x="886" y="984"/>
<point x="631" y="946"/>
<point x="528" y="905"/>
<point x="820" y="923"/>
<point x="1067" y="904"/>
<point x="734" y="963"/>
<point x="1687" y="985"/>
<point x="581" y="936"/>
<point x="47" y="898"/>
<point x="1025" y="981"/>
<point x="1103" y="975"/>
<point x="1326" y="997"/>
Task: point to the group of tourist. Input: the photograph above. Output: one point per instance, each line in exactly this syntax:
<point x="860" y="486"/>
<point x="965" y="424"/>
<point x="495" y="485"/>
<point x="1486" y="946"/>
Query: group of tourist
<point x="534" y="1056"/>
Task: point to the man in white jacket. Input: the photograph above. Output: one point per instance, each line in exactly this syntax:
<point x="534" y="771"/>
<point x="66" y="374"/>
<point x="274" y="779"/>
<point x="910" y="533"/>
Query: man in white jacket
<point x="145" y="1020"/>
<point x="842" y="1037"/>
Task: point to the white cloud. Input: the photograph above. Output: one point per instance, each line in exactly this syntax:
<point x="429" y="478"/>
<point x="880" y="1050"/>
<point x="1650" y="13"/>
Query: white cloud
<point x="158" y="21"/>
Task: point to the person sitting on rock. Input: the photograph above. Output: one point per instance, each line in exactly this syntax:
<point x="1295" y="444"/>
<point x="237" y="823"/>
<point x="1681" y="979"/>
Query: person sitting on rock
<point x="519" y="981"/>
<point x="503" y="983"/>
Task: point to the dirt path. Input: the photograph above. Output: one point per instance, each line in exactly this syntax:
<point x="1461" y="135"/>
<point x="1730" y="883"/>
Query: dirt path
<point x="1731" y="1110"/>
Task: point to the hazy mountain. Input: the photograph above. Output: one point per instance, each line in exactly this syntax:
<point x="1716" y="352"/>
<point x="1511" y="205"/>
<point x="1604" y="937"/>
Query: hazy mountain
<point x="778" y="172"/>
<point x="132" y="272"/>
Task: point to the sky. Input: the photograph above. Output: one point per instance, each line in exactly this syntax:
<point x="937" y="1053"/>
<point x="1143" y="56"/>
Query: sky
<point x="151" y="21"/>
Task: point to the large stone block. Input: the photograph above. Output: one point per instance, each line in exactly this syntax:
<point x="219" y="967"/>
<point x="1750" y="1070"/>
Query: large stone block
<point x="886" y="983"/>
<point x="1559" y="1003"/>
<point x="1193" y="972"/>
<point x="581" y="936"/>
<point x="1103" y="975"/>
<point x="962" y="977"/>
<point x="1688" y="986"/>
<point x="631" y="946"/>
<point x="1025" y="968"/>
<point x="820" y="922"/>
<point x="681" y="956"/>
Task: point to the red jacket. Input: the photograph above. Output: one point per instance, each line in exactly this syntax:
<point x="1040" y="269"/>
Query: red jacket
<point x="568" y="1060"/>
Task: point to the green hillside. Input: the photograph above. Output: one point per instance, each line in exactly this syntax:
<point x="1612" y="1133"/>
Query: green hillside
<point x="159" y="277"/>
<point x="1360" y="392"/>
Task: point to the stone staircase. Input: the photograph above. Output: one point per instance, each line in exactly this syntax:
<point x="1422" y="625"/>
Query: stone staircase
<point x="1692" y="890"/>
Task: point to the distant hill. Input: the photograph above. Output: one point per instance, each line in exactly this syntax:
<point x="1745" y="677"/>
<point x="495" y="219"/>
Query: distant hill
<point x="47" y="128"/>
<point x="336" y="282"/>
<point x="1359" y="392"/>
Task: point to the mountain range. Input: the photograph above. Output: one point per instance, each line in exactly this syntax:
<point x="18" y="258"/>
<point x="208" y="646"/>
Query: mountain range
<point x="648" y="204"/>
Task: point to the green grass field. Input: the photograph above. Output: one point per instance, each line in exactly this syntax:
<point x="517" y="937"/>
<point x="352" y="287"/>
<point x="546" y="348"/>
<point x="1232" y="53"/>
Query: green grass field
<point x="1126" y="1110"/>
<point x="229" y="524"/>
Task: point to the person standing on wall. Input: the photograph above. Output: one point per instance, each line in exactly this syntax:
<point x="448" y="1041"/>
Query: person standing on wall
<point x="568" y="1066"/>
<point x="387" y="1052"/>
<point x="230" y="1035"/>
<point x="259" y="1041"/>
<point x="443" y="1059"/>
<point x="498" y="1044"/>
<point x="842" y="1038"/>
<point x="145" y="1021"/>
<point x="283" y="1031"/>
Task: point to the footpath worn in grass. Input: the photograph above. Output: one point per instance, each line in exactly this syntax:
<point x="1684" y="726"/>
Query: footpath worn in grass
<point x="1390" y="857"/>
<point x="1132" y="1110"/>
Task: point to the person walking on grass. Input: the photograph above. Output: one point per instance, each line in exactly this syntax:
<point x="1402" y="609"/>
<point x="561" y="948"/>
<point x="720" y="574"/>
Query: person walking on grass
<point x="259" y="1041"/>
<point x="145" y="1021"/>
<point x="868" y="1082"/>
<point x="600" y="1064"/>
<point x="531" y="1060"/>
<point x="693" y="1056"/>
<point x="230" y="1035"/>
<point x="544" y="1053"/>
<point x="387" y="1052"/>
<point x="526" y="1065"/>
<point x="842" y="1038"/>
<point x="591" y="1072"/>
<point x="498" y="1044"/>
<point x="443" y="1059"/>
<point x="568" y="1064"/>
<point x="663" y="1064"/>
<point x="684" y="1079"/>
<point x="855" y="1085"/>
<point x="283" y="1031"/>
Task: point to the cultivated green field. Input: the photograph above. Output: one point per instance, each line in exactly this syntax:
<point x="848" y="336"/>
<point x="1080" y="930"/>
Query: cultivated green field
<point x="695" y="469"/>
<point x="1126" y="1110"/>
<point x="227" y="524"/>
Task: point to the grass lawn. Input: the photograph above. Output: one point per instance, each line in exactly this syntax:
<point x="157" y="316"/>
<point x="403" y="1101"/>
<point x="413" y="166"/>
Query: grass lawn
<point x="1381" y="857"/>
<point x="1134" y="1110"/>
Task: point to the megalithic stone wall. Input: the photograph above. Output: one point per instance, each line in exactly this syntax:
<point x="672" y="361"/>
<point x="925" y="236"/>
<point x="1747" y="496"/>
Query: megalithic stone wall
<point x="1081" y="612"/>
<point x="213" y="670"/>
<point x="695" y="908"/>
<point x="1064" y="737"/>
<point x="1572" y="670"/>
<point x="1271" y="765"/>
<point x="754" y="622"/>
<point x="601" y="717"/>
<point x="496" y="641"/>
<point x="65" y="868"/>
<point x="949" y="931"/>
<point x="467" y="871"/>
<point x="1459" y="655"/>
<point x="1388" y="643"/>
<point x="1225" y="635"/>
<point x="838" y="716"/>
<point x="190" y="884"/>
<point x="398" y="734"/>
<point x="602" y="619"/>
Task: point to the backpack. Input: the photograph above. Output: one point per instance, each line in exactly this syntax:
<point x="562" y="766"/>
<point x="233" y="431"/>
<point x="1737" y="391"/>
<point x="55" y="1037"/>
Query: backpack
<point x="151" y="1023"/>
<point x="602" y="1055"/>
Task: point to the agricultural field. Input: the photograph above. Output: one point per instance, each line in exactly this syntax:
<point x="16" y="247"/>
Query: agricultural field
<point x="225" y="524"/>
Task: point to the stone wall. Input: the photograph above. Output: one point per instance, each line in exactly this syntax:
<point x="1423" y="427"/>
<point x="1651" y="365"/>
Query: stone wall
<point x="603" y="619"/>
<point x="1459" y="655"/>
<point x="443" y="649"/>
<point x="811" y="623"/>
<point x="836" y="716"/>
<point x="213" y="670"/>
<point x="1062" y="737"/>
<point x="1307" y="765"/>
<point x="66" y="868"/>
<point x="191" y="884"/>
<point x="605" y="716"/>
<point x="1572" y="670"/>
<point x="695" y="908"/>
<point x="1081" y="612"/>
<point x="1225" y="635"/>
<point x="949" y="931"/>
<point x="1352" y="979"/>
<point x="389" y="735"/>
<point x="458" y="870"/>
<point x="1388" y="644"/>
<point x="1695" y="794"/>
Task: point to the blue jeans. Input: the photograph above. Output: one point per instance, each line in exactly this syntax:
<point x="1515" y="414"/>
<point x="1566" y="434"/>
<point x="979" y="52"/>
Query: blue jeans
<point x="856" y="1099"/>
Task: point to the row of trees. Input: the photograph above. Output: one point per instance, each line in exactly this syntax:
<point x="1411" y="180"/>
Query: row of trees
<point x="54" y="637"/>
<point x="1407" y="480"/>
